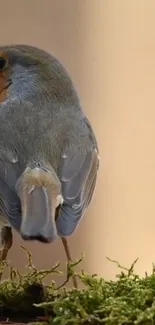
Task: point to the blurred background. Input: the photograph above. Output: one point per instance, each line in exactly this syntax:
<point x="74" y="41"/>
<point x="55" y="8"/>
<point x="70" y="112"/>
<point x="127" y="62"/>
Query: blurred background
<point x="108" y="47"/>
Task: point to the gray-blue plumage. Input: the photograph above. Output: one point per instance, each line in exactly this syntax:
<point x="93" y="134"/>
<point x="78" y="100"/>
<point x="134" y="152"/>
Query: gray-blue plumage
<point x="42" y="126"/>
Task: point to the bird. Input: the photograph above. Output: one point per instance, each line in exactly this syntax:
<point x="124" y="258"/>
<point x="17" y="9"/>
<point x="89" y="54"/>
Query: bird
<point x="49" y="156"/>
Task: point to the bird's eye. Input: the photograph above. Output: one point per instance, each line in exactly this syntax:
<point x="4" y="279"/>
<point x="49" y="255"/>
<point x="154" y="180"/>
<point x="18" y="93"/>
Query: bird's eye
<point x="3" y="63"/>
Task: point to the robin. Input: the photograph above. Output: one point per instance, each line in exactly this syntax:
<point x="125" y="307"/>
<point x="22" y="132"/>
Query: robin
<point x="48" y="151"/>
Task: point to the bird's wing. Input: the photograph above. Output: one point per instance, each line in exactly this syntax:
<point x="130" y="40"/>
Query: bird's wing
<point x="10" y="207"/>
<point x="78" y="173"/>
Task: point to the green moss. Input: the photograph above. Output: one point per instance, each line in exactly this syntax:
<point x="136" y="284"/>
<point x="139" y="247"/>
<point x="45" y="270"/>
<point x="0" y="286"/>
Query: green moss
<point x="130" y="299"/>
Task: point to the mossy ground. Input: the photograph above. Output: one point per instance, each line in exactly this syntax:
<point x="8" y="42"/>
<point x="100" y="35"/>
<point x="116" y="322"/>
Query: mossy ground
<point x="130" y="299"/>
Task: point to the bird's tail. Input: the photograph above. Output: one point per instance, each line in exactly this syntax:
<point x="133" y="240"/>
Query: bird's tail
<point x="40" y="194"/>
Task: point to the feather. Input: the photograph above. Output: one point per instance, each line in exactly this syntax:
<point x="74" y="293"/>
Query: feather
<point x="78" y="174"/>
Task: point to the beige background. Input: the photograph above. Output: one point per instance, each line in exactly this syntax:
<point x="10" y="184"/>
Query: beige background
<point x="108" y="47"/>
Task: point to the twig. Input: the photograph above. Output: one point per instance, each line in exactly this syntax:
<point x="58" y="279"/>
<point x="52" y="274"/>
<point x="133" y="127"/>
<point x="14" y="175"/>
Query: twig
<point x="29" y="256"/>
<point x="128" y="270"/>
<point x="70" y="271"/>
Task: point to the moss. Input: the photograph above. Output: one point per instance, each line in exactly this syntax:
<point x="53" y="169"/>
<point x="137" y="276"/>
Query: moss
<point x="130" y="299"/>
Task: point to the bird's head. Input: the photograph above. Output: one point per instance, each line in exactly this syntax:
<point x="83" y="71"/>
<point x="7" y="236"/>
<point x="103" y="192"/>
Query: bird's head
<point x="29" y="73"/>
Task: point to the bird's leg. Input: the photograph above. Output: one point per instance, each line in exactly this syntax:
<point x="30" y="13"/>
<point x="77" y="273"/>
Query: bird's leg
<point x="66" y="248"/>
<point x="6" y="240"/>
<point x="69" y="259"/>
